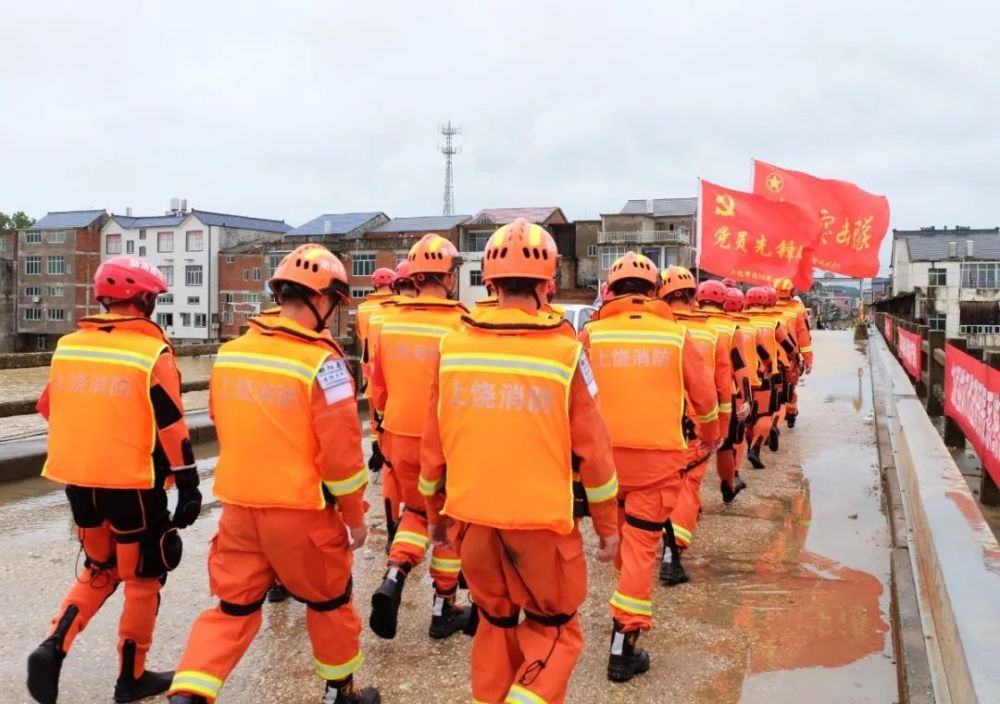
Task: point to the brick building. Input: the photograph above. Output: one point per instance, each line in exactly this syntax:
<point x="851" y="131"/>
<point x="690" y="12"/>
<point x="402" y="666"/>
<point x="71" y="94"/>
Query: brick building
<point x="56" y="261"/>
<point x="662" y="228"/>
<point x="243" y="273"/>
<point x="8" y="290"/>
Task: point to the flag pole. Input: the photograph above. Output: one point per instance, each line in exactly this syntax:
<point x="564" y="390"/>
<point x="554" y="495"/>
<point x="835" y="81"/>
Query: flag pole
<point x="698" y="234"/>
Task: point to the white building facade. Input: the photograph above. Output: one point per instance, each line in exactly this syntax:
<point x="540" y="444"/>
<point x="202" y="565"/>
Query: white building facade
<point x="185" y="246"/>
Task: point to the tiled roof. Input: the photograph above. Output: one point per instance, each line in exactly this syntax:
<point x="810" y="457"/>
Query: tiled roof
<point x="206" y="217"/>
<point x="430" y="223"/>
<point x="244" y="248"/>
<point x="333" y="224"/>
<point x="925" y="247"/>
<point x="502" y="216"/>
<point x="127" y="222"/>
<point x="662" y="207"/>
<point x="67" y="219"/>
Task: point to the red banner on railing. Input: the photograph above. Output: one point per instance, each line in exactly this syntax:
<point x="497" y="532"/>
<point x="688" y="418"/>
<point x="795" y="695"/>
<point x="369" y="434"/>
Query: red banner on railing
<point x="972" y="399"/>
<point x="909" y="347"/>
<point x="887" y="328"/>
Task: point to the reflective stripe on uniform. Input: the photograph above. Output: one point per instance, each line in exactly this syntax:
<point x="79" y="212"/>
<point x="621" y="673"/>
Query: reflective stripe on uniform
<point x="97" y="354"/>
<point x="703" y="335"/>
<point x="417" y="329"/>
<point x="349" y="485"/>
<point x="630" y="605"/>
<point x="339" y="672"/>
<point x="808" y="348"/>
<point x="193" y="682"/>
<point x="266" y="363"/>
<point x="630" y="336"/>
<point x="725" y="408"/>
<point x="507" y="364"/>
<point x="428" y="488"/>
<point x="411" y="538"/>
<point x="521" y="695"/>
<point x="448" y="565"/>
<point x="682" y="534"/>
<point x="605" y="492"/>
<point x="710" y="416"/>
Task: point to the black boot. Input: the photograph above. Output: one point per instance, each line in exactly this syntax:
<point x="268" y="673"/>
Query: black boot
<point x="626" y="660"/>
<point x="473" y="623"/>
<point x="345" y="692"/>
<point x="45" y="661"/>
<point x="728" y="494"/>
<point x="790" y="419"/>
<point x="277" y="593"/>
<point x="187" y="699"/>
<point x="671" y="570"/>
<point x="753" y="454"/>
<point x="149" y="684"/>
<point x="446" y="618"/>
<point x="385" y="601"/>
<point x="772" y="439"/>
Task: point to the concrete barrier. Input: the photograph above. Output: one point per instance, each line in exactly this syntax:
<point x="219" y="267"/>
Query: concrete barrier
<point x="956" y="556"/>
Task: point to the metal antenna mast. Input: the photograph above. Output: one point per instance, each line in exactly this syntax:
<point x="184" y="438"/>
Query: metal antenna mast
<point x="449" y="150"/>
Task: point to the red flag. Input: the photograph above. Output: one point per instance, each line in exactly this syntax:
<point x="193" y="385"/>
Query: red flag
<point x="852" y="222"/>
<point x="751" y="238"/>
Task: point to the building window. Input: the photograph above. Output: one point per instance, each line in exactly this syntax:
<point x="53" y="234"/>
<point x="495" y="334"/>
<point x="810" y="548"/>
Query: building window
<point x="57" y="264"/>
<point x="194" y="300"/>
<point x="937" y="322"/>
<point x="980" y="275"/>
<point x="591" y="250"/>
<point x="32" y="237"/>
<point x="256" y="273"/>
<point x="32" y="291"/>
<point x="476" y="277"/>
<point x="168" y="274"/>
<point x="130" y="247"/>
<point x="476" y="241"/>
<point x="251" y="297"/>
<point x="41" y="343"/>
<point x="246" y="274"/>
<point x="362" y="264"/>
<point x="113" y="245"/>
<point x="57" y="291"/>
<point x="192" y="274"/>
<point x="195" y="241"/>
<point x="228" y="297"/>
<point x="32" y="313"/>
<point x="185" y="320"/>
<point x="33" y="265"/>
<point x="142" y="251"/>
<point x="200" y="320"/>
<point x="164" y="241"/>
<point x="609" y="254"/>
<point x="273" y="260"/>
<point x="165" y="320"/>
<point x="360" y="293"/>
<point x="3" y="244"/>
<point x="230" y="259"/>
<point x="165" y="299"/>
<point x="937" y="277"/>
<point x="57" y="314"/>
<point x="57" y="237"/>
<point x="227" y="317"/>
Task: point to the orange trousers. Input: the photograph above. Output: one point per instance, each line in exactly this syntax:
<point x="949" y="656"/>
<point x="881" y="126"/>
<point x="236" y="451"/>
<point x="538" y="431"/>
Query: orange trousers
<point x="410" y="543"/>
<point x="92" y="589"/>
<point x="640" y="524"/>
<point x="765" y="421"/>
<point x="685" y="514"/>
<point x="543" y="573"/>
<point x="309" y="552"/>
<point x="725" y="458"/>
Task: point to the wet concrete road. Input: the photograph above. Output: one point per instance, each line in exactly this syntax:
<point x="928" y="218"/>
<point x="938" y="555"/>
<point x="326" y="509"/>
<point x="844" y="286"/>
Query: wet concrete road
<point x="788" y="600"/>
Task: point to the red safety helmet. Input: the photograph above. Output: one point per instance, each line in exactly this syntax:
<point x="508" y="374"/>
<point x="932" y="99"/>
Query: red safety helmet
<point x="757" y="296"/>
<point x="730" y="283"/>
<point x="383" y="277"/>
<point x="734" y="301"/>
<point x="124" y="278"/>
<point x="711" y="291"/>
<point x="772" y="295"/>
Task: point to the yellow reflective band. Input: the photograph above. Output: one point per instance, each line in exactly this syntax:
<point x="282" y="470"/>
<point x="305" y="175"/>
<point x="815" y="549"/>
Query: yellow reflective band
<point x="520" y="695"/>
<point x="415" y="329"/>
<point x="725" y="408"/>
<point x="791" y="406"/>
<point x="808" y="348"/>
<point x="339" y="672"/>
<point x="411" y="538"/>
<point x="682" y="534"/>
<point x="507" y="364"/>
<point x="266" y="363"/>
<point x="703" y="335"/>
<point x="446" y="565"/>
<point x="192" y="682"/>
<point x="126" y="358"/>
<point x="632" y="336"/>
<point x="710" y="416"/>
<point x="429" y="488"/>
<point x="629" y="605"/>
<point x="349" y="485"/>
<point x="605" y="492"/>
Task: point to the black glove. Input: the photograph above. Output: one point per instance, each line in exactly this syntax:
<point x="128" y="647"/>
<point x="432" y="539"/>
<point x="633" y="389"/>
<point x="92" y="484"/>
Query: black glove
<point x="188" y="497"/>
<point x="377" y="459"/>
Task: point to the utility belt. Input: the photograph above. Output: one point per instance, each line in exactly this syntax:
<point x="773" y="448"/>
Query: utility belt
<point x="511" y="621"/>
<point x="231" y="609"/>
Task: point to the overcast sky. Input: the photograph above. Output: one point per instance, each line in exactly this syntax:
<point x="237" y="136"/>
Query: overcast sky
<point x="291" y="109"/>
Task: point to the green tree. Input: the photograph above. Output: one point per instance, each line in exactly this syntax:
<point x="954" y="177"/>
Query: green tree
<point x="16" y="221"/>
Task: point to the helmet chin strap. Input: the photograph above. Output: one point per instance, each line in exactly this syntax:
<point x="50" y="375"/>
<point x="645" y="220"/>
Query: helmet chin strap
<point x="322" y="321"/>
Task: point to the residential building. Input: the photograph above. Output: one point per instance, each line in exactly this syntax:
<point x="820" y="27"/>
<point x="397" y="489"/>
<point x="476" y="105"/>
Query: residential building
<point x="56" y="261"/>
<point x="243" y="273"/>
<point x="585" y="244"/>
<point x="954" y="276"/>
<point x="8" y="290"/>
<point x="661" y="228"/>
<point x="185" y="244"/>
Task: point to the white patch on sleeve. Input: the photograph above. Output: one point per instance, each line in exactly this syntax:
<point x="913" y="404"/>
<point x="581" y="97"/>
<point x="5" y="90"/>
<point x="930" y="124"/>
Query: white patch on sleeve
<point x="588" y="375"/>
<point x="335" y="379"/>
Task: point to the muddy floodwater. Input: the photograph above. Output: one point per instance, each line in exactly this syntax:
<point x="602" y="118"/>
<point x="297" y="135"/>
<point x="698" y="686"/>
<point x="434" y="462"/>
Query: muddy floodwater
<point x="789" y="598"/>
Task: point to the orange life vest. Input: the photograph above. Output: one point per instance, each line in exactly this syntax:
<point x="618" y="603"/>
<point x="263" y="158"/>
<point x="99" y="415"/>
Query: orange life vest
<point x="636" y="352"/>
<point x="725" y="327"/>
<point x="102" y="430"/>
<point x="363" y="314"/>
<point x="764" y="321"/>
<point x="408" y="352"/>
<point x="745" y="338"/>
<point x="503" y="410"/>
<point x="261" y="396"/>
<point x="373" y="333"/>
<point x="703" y="334"/>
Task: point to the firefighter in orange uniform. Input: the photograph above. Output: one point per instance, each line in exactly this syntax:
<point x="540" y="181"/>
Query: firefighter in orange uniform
<point x="382" y="279"/>
<point x="291" y="480"/>
<point x="798" y="325"/>
<point x="117" y="440"/>
<point x="745" y="339"/>
<point x="711" y="298"/>
<point x="513" y="401"/>
<point x="677" y="289"/>
<point x="405" y="361"/>
<point x="646" y="367"/>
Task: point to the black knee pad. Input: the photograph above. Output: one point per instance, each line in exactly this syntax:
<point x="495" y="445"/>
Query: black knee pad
<point x="82" y="503"/>
<point x="160" y="551"/>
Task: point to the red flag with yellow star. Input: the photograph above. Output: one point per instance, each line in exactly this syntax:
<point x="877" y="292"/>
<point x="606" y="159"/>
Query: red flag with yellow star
<point x="753" y="239"/>
<point x="852" y="222"/>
